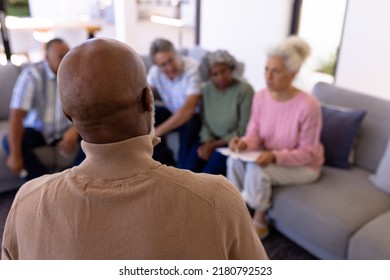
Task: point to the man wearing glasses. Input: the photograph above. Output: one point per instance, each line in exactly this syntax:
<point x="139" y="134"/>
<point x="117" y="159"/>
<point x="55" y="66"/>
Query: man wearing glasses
<point x="177" y="82"/>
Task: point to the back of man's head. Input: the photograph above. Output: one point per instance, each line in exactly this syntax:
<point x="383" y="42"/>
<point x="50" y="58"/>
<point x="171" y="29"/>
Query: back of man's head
<point x="104" y="91"/>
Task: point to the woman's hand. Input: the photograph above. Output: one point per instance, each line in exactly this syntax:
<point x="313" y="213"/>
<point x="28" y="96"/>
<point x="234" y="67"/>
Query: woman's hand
<point x="237" y="145"/>
<point x="266" y="158"/>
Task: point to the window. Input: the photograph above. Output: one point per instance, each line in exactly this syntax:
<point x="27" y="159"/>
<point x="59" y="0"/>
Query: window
<point x="320" y="23"/>
<point x="19" y="8"/>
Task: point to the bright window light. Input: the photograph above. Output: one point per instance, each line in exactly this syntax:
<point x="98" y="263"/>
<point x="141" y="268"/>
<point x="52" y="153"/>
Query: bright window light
<point x="166" y="21"/>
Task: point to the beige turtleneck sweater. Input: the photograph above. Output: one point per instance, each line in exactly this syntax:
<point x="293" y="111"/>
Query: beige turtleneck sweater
<point x="121" y="204"/>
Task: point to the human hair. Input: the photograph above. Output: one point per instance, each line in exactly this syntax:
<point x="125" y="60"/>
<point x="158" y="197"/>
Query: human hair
<point x="160" y="45"/>
<point x="52" y="42"/>
<point x="211" y="58"/>
<point x="293" y="51"/>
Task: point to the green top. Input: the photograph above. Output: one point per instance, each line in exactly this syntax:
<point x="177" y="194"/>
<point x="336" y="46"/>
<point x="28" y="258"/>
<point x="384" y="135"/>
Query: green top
<point x="225" y="114"/>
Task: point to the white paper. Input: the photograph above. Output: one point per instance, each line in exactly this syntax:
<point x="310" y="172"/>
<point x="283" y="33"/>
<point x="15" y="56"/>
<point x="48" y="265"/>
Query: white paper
<point x="247" y="156"/>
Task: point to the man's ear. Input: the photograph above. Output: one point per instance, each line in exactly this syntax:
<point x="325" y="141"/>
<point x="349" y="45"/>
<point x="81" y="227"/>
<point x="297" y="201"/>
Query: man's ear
<point x="147" y="99"/>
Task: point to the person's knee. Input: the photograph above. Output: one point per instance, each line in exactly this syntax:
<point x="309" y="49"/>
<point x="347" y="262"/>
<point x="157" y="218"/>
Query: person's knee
<point x="233" y="163"/>
<point x="252" y="166"/>
<point x="161" y="115"/>
<point x="216" y="164"/>
<point x="192" y="162"/>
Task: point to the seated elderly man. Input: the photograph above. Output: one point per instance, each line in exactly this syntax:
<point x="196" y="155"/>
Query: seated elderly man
<point x="36" y="117"/>
<point x="119" y="203"/>
<point x="176" y="80"/>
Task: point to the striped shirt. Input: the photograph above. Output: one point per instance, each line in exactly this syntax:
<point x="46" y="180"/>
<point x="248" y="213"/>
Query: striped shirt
<point x="175" y="92"/>
<point x="36" y="92"/>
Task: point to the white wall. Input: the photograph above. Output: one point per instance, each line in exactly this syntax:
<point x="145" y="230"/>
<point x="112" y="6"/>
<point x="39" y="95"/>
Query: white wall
<point x="125" y="20"/>
<point x="246" y="28"/>
<point x="188" y="12"/>
<point x="60" y="10"/>
<point x="364" y="61"/>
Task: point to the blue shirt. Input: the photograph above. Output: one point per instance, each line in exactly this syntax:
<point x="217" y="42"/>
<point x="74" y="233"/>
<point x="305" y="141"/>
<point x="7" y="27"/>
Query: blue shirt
<point x="175" y="92"/>
<point x="36" y="92"/>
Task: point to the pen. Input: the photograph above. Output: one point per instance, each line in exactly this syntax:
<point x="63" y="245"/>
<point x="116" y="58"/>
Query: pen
<point x="236" y="149"/>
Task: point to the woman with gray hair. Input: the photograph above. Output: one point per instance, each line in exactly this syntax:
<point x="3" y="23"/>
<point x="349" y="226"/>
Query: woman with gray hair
<point x="285" y="124"/>
<point x="225" y="110"/>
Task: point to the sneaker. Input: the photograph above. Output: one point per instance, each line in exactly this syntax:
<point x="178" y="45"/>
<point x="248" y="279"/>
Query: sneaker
<point x="262" y="230"/>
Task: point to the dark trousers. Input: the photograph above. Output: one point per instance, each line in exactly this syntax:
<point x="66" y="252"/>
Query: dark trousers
<point x="33" y="139"/>
<point x="188" y="136"/>
<point x="215" y="165"/>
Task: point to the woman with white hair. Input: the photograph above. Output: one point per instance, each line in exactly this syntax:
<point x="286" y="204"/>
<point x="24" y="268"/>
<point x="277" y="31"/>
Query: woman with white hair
<point x="285" y="124"/>
<point x="225" y="111"/>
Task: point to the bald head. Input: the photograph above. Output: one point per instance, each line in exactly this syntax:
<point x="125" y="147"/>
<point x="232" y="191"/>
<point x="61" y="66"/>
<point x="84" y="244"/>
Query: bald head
<point x="104" y="91"/>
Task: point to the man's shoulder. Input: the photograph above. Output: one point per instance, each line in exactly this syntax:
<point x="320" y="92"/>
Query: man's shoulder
<point x="40" y="65"/>
<point x="34" y="189"/>
<point x="190" y="64"/>
<point x="206" y="186"/>
<point x="154" y="70"/>
<point x="33" y="70"/>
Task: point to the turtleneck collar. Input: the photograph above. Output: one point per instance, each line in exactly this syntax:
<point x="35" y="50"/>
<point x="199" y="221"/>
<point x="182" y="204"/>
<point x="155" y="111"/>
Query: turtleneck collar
<point x="118" y="160"/>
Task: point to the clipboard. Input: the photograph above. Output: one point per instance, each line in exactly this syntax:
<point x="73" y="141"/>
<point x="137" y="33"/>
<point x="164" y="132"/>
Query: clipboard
<point x="247" y="156"/>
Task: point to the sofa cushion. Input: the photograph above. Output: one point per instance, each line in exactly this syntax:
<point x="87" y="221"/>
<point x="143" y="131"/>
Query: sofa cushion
<point x="382" y="177"/>
<point x="340" y="128"/>
<point x="372" y="241"/>
<point x="375" y="129"/>
<point x="327" y="213"/>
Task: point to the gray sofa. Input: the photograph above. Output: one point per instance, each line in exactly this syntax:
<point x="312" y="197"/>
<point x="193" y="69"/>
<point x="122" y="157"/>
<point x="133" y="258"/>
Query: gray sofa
<point x="50" y="156"/>
<point x="343" y="215"/>
<point x="8" y="76"/>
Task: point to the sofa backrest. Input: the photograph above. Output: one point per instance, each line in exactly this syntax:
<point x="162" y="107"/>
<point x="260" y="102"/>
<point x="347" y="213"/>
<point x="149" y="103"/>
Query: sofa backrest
<point x="147" y="62"/>
<point x="8" y="75"/>
<point x="375" y="129"/>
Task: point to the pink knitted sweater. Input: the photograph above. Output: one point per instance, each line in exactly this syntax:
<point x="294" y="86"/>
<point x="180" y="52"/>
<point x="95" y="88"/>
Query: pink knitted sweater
<point x="290" y="129"/>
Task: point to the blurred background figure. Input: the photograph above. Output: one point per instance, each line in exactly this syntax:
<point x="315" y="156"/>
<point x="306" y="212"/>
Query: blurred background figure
<point x="36" y="117"/>
<point x="285" y="123"/>
<point x="175" y="79"/>
<point x="225" y="110"/>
